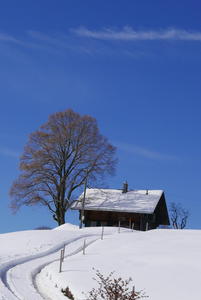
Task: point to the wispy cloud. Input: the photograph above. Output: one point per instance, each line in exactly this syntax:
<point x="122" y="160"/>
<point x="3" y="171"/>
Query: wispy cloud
<point x="8" y="38"/>
<point x="11" y="39"/>
<point x="9" y="152"/>
<point x="129" y="34"/>
<point x="33" y="38"/>
<point x="144" y="152"/>
<point x="52" y="42"/>
<point x="59" y="43"/>
<point x="22" y="42"/>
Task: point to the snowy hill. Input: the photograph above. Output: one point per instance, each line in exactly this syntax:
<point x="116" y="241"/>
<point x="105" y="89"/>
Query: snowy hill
<point x="165" y="263"/>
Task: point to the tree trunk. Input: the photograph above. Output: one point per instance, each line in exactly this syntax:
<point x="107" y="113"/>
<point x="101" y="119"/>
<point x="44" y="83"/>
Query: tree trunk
<point x="61" y="220"/>
<point x="59" y="216"/>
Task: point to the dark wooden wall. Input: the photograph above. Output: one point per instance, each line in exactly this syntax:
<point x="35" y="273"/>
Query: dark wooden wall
<point x="161" y="212"/>
<point x="107" y="218"/>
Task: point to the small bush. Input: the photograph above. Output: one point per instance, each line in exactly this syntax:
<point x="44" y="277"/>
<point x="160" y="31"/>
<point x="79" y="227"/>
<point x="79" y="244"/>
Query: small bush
<point x="110" y="288"/>
<point x="68" y="293"/>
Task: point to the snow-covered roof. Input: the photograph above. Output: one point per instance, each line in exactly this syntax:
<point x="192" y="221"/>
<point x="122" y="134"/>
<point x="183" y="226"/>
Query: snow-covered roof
<point x="138" y="201"/>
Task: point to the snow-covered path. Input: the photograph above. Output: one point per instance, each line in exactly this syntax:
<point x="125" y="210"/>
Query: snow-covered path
<point x="17" y="275"/>
<point x="25" y="272"/>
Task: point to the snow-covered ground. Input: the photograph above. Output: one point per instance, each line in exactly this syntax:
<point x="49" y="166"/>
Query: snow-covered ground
<point x="165" y="263"/>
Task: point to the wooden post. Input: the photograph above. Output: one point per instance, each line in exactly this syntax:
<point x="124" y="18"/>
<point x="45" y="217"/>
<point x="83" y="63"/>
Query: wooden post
<point x="119" y="226"/>
<point x="130" y="223"/>
<point x="84" y="247"/>
<point x="133" y="226"/>
<point x="102" y="232"/>
<point x="147" y="226"/>
<point x="64" y="251"/>
<point x="61" y="260"/>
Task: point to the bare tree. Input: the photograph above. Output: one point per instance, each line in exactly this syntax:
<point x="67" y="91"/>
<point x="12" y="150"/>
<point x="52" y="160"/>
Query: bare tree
<point x="57" y="160"/>
<point x="178" y="215"/>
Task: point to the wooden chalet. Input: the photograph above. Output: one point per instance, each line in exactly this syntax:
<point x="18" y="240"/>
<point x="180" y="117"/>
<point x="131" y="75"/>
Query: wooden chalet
<point x="138" y="209"/>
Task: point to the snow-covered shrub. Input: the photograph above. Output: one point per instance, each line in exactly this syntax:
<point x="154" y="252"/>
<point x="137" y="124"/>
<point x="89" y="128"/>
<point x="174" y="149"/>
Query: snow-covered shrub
<point x="110" y="288"/>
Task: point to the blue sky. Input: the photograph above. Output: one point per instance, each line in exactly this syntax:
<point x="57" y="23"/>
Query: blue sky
<point x="133" y="65"/>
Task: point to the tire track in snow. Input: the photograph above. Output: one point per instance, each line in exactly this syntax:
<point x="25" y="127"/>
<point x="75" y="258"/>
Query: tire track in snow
<point x="9" y="281"/>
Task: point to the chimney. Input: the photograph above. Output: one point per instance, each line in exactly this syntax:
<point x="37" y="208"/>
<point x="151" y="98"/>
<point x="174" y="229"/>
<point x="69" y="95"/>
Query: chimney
<point x="125" y="187"/>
